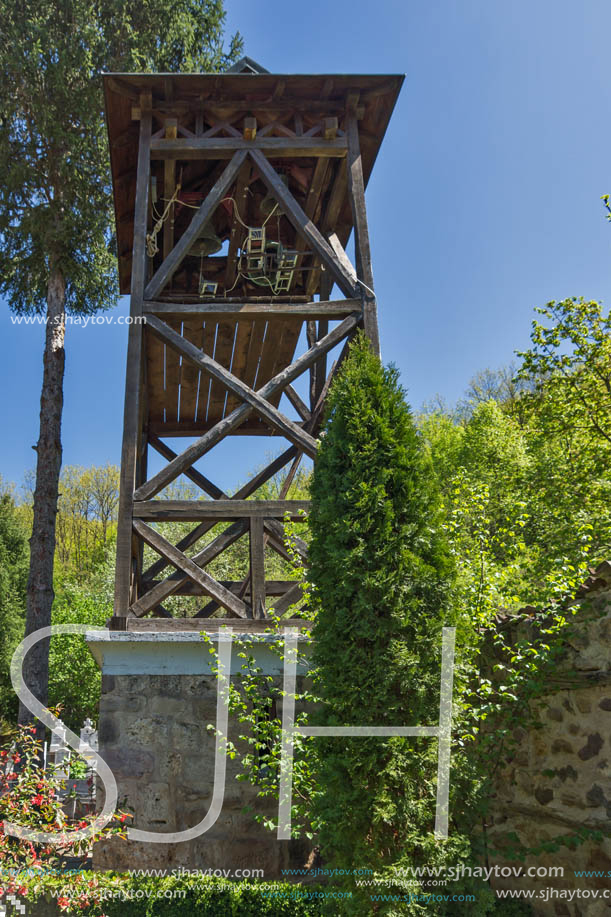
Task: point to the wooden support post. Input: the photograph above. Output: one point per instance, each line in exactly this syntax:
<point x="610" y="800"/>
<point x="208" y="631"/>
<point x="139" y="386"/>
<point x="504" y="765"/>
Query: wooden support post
<point x="237" y="230"/>
<point x="127" y="546"/>
<point x="169" y="185"/>
<point x="326" y="286"/>
<point x="356" y="189"/>
<point x="257" y="567"/>
<point x="330" y="128"/>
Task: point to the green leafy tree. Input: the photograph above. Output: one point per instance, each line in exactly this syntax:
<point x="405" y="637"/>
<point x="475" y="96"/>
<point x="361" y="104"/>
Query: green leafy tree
<point x="56" y="254"/>
<point x="74" y="676"/>
<point x="13" y="579"/>
<point x="383" y="586"/>
<point x="570" y="358"/>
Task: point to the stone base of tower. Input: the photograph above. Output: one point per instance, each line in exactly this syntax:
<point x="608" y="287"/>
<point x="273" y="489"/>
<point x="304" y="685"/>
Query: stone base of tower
<point x="158" y="699"/>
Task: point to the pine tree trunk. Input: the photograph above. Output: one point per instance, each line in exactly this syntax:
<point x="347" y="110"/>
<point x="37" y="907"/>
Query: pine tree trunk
<point x="40" y="593"/>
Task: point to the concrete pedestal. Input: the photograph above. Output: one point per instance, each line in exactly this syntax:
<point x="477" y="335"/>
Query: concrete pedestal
<point x="159" y="696"/>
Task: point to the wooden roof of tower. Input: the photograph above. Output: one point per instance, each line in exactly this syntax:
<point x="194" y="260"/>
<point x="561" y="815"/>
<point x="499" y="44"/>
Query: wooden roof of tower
<point x="274" y="100"/>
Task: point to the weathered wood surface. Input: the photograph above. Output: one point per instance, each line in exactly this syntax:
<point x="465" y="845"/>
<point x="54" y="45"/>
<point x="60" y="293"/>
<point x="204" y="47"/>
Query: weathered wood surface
<point x="176" y="256"/>
<point x="224" y="147"/>
<point x="190" y="455"/>
<point x="133" y="378"/>
<point x="334" y="309"/>
<point x="192" y="510"/>
<point x="229" y="381"/>
<point x="210" y="586"/>
<point x="214" y="625"/>
<point x="356" y="188"/>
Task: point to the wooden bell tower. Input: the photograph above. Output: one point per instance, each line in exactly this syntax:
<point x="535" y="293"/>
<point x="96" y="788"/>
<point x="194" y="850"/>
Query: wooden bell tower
<point x="235" y="196"/>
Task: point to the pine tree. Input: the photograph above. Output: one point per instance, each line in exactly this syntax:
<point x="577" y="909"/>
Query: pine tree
<point x="56" y="251"/>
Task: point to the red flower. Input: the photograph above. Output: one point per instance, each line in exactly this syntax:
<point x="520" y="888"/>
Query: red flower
<point x="41" y="785"/>
<point x="17" y="759"/>
<point x="37" y="800"/>
<point x="82" y="824"/>
<point x="22" y="890"/>
<point x="63" y="903"/>
<point x="123" y="818"/>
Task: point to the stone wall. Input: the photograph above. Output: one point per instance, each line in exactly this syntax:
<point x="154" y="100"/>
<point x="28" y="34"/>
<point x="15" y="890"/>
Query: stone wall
<point x="153" y="733"/>
<point x="558" y="779"/>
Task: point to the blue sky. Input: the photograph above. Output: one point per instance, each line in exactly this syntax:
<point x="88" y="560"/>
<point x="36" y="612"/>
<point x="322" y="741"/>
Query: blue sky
<point x="484" y="202"/>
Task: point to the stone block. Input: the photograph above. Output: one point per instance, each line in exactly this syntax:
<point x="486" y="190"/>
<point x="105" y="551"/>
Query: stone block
<point x="126" y="761"/>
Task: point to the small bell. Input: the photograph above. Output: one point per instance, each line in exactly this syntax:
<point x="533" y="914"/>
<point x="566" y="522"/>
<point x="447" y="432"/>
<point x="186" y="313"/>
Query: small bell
<point x="269" y="201"/>
<point x="207" y="243"/>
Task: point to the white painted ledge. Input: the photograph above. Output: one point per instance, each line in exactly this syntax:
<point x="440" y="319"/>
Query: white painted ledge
<point x="177" y="652"/>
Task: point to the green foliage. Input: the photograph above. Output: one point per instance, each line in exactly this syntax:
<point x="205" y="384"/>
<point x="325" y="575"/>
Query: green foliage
<point x="55" y="201"/>
<point x="525" y="480"/>
<point x="14" y="558"/>
<point x="86" y="518"/>
<point x="74" y="676"/>
<point x="255" y="701"/>
<point x="376" y="521"/>
<point x="123" y="895"/>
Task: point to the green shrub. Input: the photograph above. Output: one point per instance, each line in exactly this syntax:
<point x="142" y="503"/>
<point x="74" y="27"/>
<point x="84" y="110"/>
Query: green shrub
<point x="383" y="588"/>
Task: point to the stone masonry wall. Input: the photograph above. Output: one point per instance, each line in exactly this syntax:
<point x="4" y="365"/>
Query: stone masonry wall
<point x="153" y="734"/>
<point x="558" y="780"/>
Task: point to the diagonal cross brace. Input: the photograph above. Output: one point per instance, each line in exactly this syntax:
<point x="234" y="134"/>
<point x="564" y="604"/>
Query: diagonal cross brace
<point x="170" y="264"/>
<point x="303" y="225"/>
<point x="195" y="451"/>
<point x="210" y="586"/>
<point x="205" y="363"/>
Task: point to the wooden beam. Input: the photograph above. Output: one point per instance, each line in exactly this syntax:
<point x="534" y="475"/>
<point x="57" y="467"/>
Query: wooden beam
<point x="210" y="586"/>
<point x="302" y="224"/>
<point x="186" y="148"/>
<point x="175" y="584"/>
<point x="192" y="510"/>
<point x="313" y="200"/>
<point x="330" y="128"/>
<point x="320" y="367"/>
<point x="330" y="218"/>
<point x="195" y="451"/>
<point x="172" y="262"/>
<point x="297" y="403"/>
<point x="169" y="185"/>
<point x="330" y="309"/>
<point x="356" y="193"/>
<point x="289" y="598"/>
<point x="192" y="473"/>
<point x="133" y="378"/>
<point x="158" y="592"/>
<point x="251" y="486"/>
<point x="343" y="258"/>
<point x="237" y="230"/>
<point x="188" y="587"/>
<point x="245" y="626"/>
<point x="206" y="364"/>
<point x="257" y="567"/>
